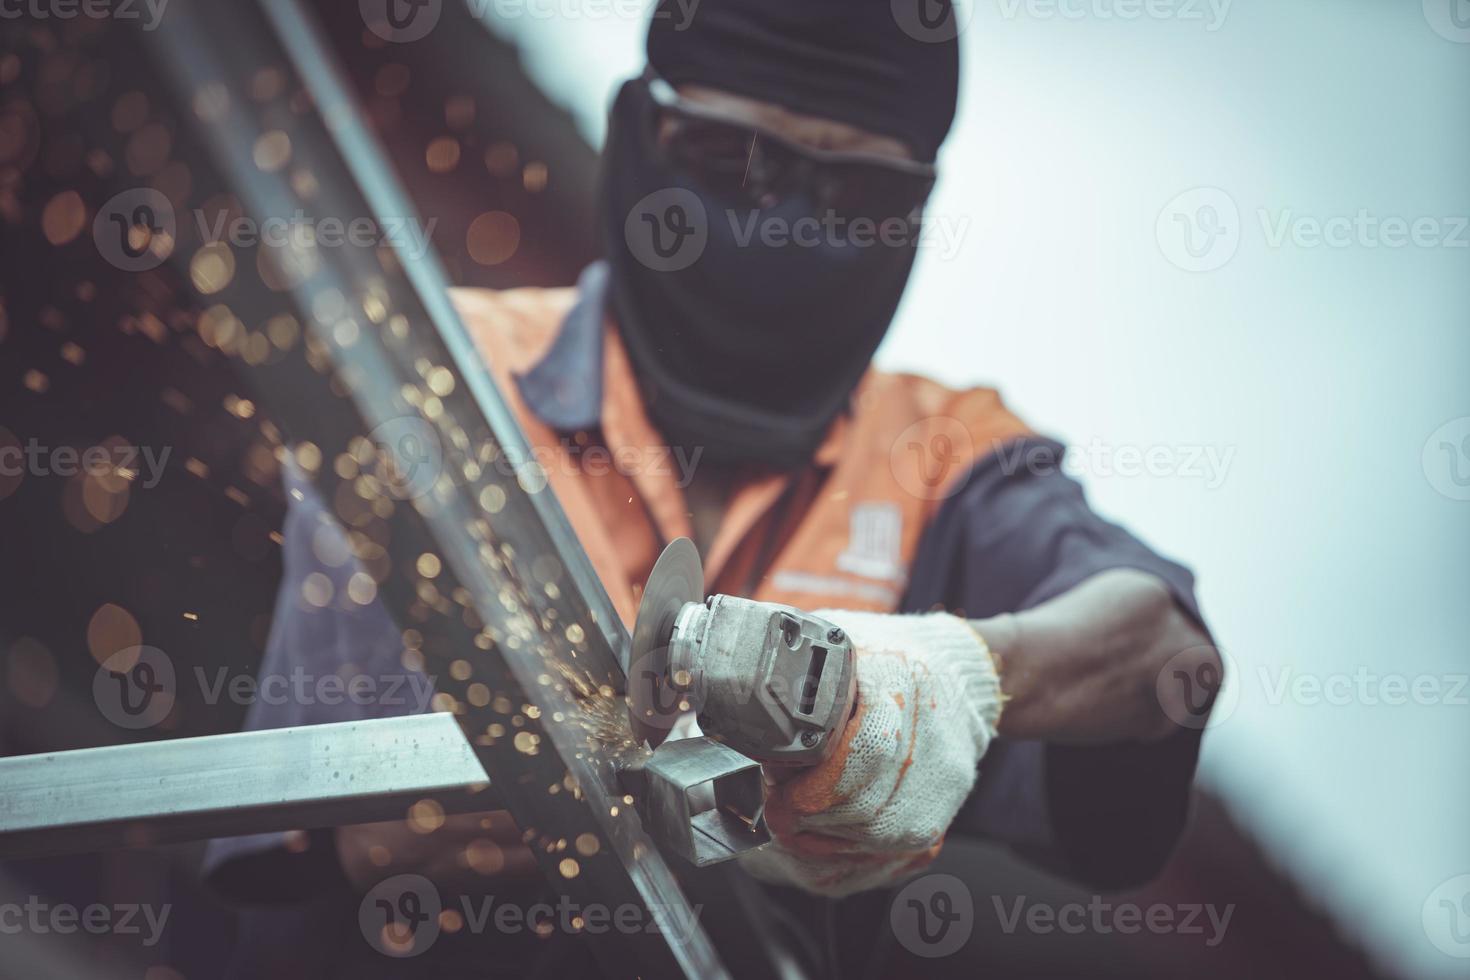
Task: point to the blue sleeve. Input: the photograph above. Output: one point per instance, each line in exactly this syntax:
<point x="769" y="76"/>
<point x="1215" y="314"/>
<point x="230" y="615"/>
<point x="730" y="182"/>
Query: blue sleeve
<point x="1016" y="533"/>
<point x="307" y="642"/>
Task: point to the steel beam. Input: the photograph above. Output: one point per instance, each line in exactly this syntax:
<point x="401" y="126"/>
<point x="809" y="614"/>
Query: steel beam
<point x="485" y="577"/>
<point x="511" y="594"/>
<point x="248" y="782"/>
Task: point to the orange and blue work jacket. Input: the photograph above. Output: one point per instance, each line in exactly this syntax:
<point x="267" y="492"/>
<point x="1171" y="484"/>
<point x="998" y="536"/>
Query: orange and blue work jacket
<point x="920" y="497"/>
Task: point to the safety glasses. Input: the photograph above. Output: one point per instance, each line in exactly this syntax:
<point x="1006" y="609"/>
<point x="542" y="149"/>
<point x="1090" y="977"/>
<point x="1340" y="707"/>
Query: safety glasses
<point x="749" y="163"/>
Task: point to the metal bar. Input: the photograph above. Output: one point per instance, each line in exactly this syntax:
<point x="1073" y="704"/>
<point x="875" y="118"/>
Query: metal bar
<point x="248" y="782"/>
<point x="48" y="955"/>
<point x="485" y="578"/>
<point x="363" y="158"/>
<point x="510" y="618"/>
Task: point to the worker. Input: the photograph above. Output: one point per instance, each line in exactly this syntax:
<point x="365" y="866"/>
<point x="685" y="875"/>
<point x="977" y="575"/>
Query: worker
<point x="762" y="187"/>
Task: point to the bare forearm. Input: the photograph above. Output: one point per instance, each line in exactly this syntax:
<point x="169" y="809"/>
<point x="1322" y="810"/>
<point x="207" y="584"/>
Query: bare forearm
<point x="1083" y="667"/>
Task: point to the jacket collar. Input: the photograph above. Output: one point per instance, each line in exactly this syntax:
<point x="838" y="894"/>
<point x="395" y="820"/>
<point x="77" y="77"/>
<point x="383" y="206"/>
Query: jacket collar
<point x="564" y="388"/>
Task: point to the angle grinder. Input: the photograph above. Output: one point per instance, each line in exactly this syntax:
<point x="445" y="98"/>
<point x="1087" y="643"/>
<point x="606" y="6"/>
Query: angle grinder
<point x="768" y="680"/>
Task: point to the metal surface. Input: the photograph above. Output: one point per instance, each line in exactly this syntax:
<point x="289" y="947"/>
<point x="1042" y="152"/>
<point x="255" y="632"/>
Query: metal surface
<point x="382" y="197"/>
<point x="677" y="580"/>
<point x="484" y="576"/>
<point x="248" y="782"/>
<point x="766" y="679"/>
<point x="515" y="596"/>
<point x="702" y="800"/>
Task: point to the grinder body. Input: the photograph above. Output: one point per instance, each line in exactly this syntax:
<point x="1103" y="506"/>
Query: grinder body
<point x="772" y="687"/>
<point x="770" y="681"/>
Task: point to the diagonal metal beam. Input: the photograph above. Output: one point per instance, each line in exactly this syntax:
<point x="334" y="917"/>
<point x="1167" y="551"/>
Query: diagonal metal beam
<point x="505" y="610"/>
<point x="483" y="574"/>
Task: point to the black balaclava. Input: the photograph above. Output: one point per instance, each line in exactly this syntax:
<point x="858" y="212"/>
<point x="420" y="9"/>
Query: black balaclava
<point x="750" y="350"/>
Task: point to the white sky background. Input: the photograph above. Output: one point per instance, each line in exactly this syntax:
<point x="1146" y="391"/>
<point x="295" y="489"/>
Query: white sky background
<point x="1316" y="375"/>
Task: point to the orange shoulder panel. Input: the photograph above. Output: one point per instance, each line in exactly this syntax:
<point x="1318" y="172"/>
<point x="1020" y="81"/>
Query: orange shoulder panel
<point x="895" y="461"/>
<point x="513" y="328"/>
<point x="929" y="434"/>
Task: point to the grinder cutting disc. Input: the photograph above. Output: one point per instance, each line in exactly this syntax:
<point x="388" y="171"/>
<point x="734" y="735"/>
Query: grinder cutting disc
<point x="677" y="578"/>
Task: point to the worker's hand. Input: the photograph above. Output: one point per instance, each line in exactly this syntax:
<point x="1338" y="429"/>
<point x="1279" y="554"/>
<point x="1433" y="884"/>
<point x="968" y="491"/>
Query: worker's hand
<point x="877" y="808"/>
<point x="465" y="851"/>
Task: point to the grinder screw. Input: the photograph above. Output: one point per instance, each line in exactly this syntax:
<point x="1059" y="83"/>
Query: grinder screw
<point x="834" y="635"/>
<point x="810" y="738"/>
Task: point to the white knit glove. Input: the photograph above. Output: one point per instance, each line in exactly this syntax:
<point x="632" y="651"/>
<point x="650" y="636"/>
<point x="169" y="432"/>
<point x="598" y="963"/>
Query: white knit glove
<point x="928" y="700"/>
